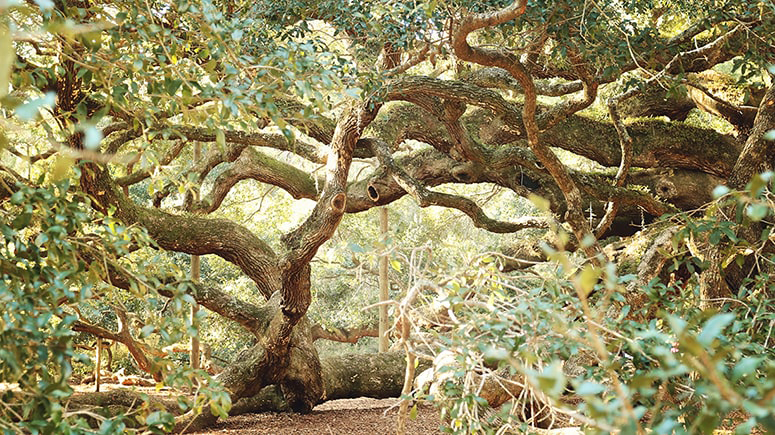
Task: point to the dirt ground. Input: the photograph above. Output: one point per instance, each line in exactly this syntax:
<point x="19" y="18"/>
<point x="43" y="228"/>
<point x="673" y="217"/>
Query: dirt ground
<point x="337" y="417"/>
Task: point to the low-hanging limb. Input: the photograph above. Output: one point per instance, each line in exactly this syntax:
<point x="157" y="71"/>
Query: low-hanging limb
<point x="189" y="234"/>
<point x="343" y="335"/>
<point x="498" y="78"/>
<point x="655" y="143"/>
<point x="201" y="168"/>
<point x="141" y="352"/>
<point x="253" y="318"/>
<point x="432" y="168"/>
<point x="298" y="146"/>
<point x="741" y="117"/>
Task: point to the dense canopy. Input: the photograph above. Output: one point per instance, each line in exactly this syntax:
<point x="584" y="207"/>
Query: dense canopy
<point x="135" y="132"/>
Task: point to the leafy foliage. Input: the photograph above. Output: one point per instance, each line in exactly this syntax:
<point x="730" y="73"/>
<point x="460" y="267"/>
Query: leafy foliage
<point x="49" y="238"/>
<point x="630" y="362"/>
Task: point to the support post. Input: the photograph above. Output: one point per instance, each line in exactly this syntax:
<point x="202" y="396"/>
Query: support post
<point x="97" y="370"/>
<point x="383" y="283"/>
<point x="195" y="275"/>
<point x="195" y="270"/>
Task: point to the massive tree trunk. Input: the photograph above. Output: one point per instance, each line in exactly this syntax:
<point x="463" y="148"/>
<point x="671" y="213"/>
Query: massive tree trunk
<point x="284" y="353"/>
<point x="342" y="377"/>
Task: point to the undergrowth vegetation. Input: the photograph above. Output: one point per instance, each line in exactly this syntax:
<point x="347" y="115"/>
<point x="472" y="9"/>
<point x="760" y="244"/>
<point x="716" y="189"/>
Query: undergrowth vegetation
<point x="575" y="344"/>
<point x="49" y="274"/>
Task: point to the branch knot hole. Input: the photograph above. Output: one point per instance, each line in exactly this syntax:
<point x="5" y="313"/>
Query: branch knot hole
<point x="338" y="202"/>
<point x="372" y="192"/>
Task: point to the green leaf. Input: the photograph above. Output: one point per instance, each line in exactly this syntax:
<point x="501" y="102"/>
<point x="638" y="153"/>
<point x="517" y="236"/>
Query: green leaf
<point x="147" y="330"/>
<point x="746" y="427"/>
<point x="588" y="240"/>
<point x="588" y="388"/>
<point x="61" y="166"/>
<point x="552" y="380"/>
<point x="541" y="203"/>
<point x="41" y="239"/>
<point x="677" y="324"/>
<point x="355" y="247"/>
<point x="757" y="212"/>
<point x="92" y="138"/>
<point x="713" y="328"/>
<point x="161" y="420"/>
<point x="720" y="191"/>
<point x="494" y="354"/>
<point x="587" y="279"/>
<point x="757" y="183"/>
<point x="29" y="110"/>
<point x="395" y="264"/>
<point x="413" y="413"/>
<point x="172" y="85"/>
<point x="353" y="92"/>
<point x="21" y="221"/>
<point x="746" y="366"/>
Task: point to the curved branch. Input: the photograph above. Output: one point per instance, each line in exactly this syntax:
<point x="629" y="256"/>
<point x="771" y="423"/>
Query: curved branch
<point x="498" y="78"/>
<point x="189" y="234"/>
<point x="720" y="50"/>
<point x="139" y="350"/>
<point x="252" y="317"/>
<point x="169" y="156"/>
<point x="425" y="198"/>
<point x="625" y="141"/>
<point x="304" y="241"/>
<point x="278" y="141"/>
<point x="214" y="157"/>
<point x="252" y="164"/>
<point x="742" y="117"/>
<point x="507" y="61"/>
<point x="32" y="159"/>
<point x="298" y="115"/>
<point x="655" y="143"/>
<point x="561" y="111"/>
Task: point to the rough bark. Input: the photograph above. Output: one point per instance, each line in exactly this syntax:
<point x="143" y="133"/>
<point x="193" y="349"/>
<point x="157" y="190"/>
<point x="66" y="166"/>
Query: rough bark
<point x="284" y="354"/>
<point x="343" y="335"/>
<point x="343" y="377"/>
<point x="758" y="155"/>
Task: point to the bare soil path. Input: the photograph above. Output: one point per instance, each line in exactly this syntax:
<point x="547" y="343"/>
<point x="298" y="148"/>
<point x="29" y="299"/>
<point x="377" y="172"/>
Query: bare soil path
<point x="337" y="417"/>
